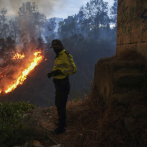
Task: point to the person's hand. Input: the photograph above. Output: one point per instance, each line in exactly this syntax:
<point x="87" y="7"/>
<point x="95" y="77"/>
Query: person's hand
<point x="57" y="72"/>
<point x="49" y="75"/>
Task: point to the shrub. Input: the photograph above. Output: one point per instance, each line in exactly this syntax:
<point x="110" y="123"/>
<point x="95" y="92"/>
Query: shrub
<point x="11" y="115"/>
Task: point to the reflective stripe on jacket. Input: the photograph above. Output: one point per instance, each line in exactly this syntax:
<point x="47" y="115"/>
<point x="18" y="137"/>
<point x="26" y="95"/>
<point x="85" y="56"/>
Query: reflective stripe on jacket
<point x="64" y="62"/>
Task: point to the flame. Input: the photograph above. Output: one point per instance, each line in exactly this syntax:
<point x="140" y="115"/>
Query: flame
<point x="37" y="59"/>
<point x="18" y="56"/>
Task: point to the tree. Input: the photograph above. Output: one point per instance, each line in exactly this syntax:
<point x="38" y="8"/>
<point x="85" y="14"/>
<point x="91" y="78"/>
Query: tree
<point x="40" y="43"/>
<point x="67" y="27"/>
<point x="13" y="29"/>
<point x="30" y="21"/>
<point x="114" y="18"/>
<point x="31" y="24"/>
<point x="50" y="29"/>
<point x="51" y="25"/>
<point x="3" y="25"/>
<point x="93" y="15"/>
<point x="113" y="11"/>
<point x="2" y="47"/>
<point x="10" y="44"/>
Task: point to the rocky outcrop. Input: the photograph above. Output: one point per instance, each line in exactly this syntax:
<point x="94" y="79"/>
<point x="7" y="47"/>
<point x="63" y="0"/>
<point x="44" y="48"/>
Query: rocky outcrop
<point x="122" y="82"/>
<point x="132" y="26"/>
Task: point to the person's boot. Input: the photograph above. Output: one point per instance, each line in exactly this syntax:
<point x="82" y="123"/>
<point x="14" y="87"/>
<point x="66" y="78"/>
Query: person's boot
<point x="60" y="129"/>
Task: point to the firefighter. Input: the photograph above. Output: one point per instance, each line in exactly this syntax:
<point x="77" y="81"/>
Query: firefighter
<point x="63" y="67"/>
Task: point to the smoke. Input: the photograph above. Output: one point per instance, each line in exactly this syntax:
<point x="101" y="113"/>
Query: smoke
<point x="19" y="48"/>
<point x="44" y="6"/>
<point x="1" y="61"/>
<point x="11" y="69"/>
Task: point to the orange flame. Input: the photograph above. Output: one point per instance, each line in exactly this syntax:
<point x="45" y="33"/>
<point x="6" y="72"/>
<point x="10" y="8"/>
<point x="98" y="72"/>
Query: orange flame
<point x="24" y="74"/>
<point x="18" y="56"/>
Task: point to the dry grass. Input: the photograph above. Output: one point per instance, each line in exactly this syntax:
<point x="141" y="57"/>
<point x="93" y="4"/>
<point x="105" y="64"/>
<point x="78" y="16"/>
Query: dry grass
<point x="90" y="125"/>
<point x="94" y="126"/>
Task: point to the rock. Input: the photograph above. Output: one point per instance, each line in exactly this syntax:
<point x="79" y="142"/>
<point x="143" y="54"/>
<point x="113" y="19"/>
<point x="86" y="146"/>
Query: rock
<point x="128" y="79"/>
<point x="32" y="143"/>
<point x="115" y="78"/>
<point x="126" y="98"/>
<point x="125" y="67"/>
<point x="37" y="144"/>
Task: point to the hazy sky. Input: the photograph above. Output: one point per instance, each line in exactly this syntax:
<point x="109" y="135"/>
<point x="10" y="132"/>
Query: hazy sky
<point x="72" y="7"/>
<point x="51" y="8"/>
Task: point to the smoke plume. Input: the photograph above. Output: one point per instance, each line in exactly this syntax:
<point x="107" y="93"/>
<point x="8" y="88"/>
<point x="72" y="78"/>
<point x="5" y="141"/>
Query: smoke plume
<point x="44" y="6"/>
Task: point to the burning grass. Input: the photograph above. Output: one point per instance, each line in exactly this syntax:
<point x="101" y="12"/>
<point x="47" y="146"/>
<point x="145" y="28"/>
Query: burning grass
<point x="18" y="56"/>
<point x="20" y="73"/>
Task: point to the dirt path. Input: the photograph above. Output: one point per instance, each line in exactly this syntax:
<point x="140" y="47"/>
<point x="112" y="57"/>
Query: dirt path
<point x="42" y="122"/>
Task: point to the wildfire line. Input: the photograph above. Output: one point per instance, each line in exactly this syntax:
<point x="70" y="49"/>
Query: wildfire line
<point x="25" y="72"/>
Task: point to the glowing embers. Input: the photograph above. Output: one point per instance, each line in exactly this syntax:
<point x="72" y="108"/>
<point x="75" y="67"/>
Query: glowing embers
<point x="35" y="61"/>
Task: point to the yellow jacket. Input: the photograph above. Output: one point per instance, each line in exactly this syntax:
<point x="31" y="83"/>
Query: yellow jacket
<point x="64" y="62"/>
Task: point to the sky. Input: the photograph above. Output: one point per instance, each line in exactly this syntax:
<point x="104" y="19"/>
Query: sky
<point x="51" y="8"/>
<point x="72" y="7"/>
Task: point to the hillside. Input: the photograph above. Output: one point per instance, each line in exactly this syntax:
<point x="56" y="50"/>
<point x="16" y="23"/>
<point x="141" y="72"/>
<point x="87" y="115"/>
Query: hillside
<point x="92" y="123"/>
<point x="39" y="90"/>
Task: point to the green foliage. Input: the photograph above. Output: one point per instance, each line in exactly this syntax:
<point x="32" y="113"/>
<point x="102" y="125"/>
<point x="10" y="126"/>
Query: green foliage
<point x="77" y="96"/>
<point x="11" y="115"/>
<point x="76" y="99"/>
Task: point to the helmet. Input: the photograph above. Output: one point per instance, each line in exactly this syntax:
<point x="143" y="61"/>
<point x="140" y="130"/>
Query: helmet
<point x="55" y="43"/>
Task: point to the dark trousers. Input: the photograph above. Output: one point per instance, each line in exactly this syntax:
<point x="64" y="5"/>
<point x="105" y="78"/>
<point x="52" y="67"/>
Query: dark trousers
<point x="62" y="87"/>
